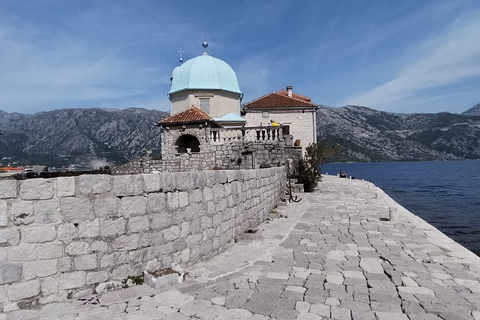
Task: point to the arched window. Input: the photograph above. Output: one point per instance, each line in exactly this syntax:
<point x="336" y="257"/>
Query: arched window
<point x="187" y="141"/>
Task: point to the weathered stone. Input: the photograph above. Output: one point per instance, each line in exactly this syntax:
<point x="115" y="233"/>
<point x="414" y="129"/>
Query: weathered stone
<point x="3" y="213"/>
<point x="49" y="286"/>
<point x="137" y="224"/>
<point x="66" y="232"/>
<point x="208" y="194"/>
<point x="183" y="181"/>
<point x="89" y="229"/>
<point x="23" y="252"/>
<point x="195" y="196"/>
<point x="122" y="272"/>
<point x="172" y="200"/>
<point x="110" y="228"/>
<point x="23" y="290"/>
<point x="171" y="233"/>
<point x="22" y="213"/>
<point x="72" y="280"/>
<point x="65" y="187"/>
<point x="85" y="262"/>
<point x="47" y="251"/>
<point x="108" y="286"/>
<point x="194" y="307"/>
<point x="155" y="202"/>
<point x="97" y="277"/>
<point x="128" y="185"/>
<point x="161" y="220"/>
<point x="46" y="211"/>
<point x="10" y="272"/>
<point x="416" y="290"/>
<point x="127" y="242"/>
<point x="371" y="265"/>
<point x="151" y="182"/>
<point x="162" y="281"/>
<point x="39" y="234"/>
<point x="113" y="259"/>
<point x="133" y="206"/>
<point x="78" y="248"/>
<point x="8" y="189"/>
<point x="167" y="181"/>
<point x="99" y="246"/>
<point x="94" y="183"/>
<point x="107" y="207"/>
<point x="76" y="210"/>
<point x="39" y="268"/>
<point x="182" y="199"/>
<point x="65" y="264"/>
<point x="36" y="189"/>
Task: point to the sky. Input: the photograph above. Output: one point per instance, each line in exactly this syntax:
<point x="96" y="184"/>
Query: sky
<point x="404" y="56"/>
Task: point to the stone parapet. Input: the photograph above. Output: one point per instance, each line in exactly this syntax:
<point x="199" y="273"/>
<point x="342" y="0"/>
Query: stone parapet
<point x="63" y="236"/>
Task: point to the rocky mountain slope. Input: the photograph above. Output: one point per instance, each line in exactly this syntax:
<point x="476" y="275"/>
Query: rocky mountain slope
<point x="85" y="136"/>
<point x="78" y="136"/>
<point x="369" y="135"/>
<point x="473" y="111"/>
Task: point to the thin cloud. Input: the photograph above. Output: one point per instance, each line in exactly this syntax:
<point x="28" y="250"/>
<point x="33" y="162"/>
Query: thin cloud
<point x="449" y="58"/>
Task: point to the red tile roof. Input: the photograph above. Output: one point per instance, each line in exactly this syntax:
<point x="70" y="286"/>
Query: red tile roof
<point x="294" y="95"/>
<point x="190" y="115"/>
<point x="280" y="100"/>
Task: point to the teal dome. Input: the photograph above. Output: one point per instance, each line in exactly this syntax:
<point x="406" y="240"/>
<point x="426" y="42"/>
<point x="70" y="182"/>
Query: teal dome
<point x="204" y="72"/>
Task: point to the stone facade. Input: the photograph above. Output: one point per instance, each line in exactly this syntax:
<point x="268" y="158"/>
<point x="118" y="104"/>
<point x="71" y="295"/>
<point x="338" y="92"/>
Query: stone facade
<point x="226" y="149"/>
<point x="302" y="123"/>
<point x="63" y="236"/>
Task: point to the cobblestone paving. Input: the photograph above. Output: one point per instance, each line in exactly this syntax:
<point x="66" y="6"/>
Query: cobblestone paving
<point x="337" y="255"/>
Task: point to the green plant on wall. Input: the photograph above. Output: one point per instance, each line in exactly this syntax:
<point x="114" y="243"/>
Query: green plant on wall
<point x="308" y="168"/>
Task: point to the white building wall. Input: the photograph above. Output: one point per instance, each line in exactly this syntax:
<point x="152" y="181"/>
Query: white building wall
<point x="302" y="123"/>
<point x="221" y="102"/>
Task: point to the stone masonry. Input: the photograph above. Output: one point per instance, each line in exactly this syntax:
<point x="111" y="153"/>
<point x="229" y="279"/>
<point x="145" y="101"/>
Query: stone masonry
<point x="61" y="237"/>
<point x="347" y="252"/>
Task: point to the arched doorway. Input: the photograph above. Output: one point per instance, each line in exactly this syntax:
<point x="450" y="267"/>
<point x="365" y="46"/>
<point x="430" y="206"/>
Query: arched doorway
<point x="187" y="141"/>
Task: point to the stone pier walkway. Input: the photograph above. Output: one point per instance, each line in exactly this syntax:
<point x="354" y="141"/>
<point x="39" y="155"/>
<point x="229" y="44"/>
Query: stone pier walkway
<point x="345" y="252"/>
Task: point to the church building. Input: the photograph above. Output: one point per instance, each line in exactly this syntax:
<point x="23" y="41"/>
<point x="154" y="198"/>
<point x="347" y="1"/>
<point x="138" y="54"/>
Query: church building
<point x="206" y="130"/>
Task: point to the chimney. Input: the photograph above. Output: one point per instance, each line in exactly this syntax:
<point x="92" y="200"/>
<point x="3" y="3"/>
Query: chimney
<point x="290" y="91"/>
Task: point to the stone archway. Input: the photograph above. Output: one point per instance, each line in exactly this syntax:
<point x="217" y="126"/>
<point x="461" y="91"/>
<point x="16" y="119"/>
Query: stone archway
<point x="187" y="142"/>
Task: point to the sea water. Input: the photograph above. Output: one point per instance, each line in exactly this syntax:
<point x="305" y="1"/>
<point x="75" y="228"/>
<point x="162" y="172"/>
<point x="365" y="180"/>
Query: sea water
<point x="444" y="193"/>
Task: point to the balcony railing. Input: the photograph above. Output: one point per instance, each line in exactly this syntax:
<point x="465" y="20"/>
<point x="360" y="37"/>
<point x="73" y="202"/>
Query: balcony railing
<point x="262" y="133"/>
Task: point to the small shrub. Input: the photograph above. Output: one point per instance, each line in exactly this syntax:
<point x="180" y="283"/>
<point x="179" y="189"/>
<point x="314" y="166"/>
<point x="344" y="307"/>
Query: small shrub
<point x="308" y="169"/>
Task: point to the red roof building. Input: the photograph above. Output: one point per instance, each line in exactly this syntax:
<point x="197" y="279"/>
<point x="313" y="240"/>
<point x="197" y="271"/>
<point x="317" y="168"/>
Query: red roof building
<point x="296" y="112"/>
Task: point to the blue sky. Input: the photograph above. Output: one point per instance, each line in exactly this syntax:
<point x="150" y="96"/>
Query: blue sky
<point x="398" y="56"/>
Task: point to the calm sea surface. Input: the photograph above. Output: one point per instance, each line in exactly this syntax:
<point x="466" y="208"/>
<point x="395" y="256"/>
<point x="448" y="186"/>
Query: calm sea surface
<point x="444" y="193"/>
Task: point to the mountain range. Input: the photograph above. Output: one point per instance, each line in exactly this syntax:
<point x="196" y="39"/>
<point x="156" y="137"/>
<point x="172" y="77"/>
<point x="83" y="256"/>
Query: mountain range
<point x="93" y="137"/>
<point x="366" y="134"/>
<point x="85" y="137"/>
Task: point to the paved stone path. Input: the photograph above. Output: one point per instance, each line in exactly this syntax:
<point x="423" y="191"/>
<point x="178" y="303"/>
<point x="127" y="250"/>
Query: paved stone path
<point x="336" y="255"/>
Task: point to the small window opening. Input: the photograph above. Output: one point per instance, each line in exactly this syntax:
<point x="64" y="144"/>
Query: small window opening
<point x="205" y="105"/>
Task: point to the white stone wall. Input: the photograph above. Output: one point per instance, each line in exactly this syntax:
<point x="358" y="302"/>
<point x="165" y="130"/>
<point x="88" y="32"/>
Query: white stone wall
<point x="302" y="124"/>
<point x="65" y="235"/>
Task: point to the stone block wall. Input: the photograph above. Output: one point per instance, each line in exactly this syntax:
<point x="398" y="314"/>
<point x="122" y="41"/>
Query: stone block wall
<point x="61" y="237"/>
<point x="232" y="156"/>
